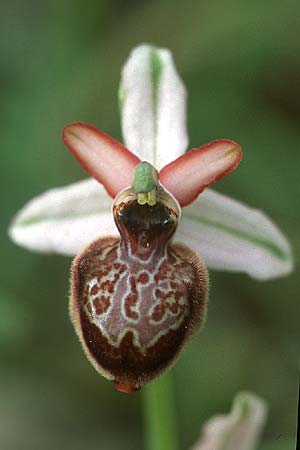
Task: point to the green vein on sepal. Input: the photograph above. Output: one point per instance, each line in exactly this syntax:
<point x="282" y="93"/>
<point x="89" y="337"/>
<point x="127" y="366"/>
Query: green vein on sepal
<point x="38" y="219"/>
<point x="156" y="68"/>
<point x="268" y="245"/>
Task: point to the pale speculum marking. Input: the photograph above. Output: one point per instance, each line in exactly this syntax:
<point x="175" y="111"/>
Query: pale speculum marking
<point x="145" y="297"/>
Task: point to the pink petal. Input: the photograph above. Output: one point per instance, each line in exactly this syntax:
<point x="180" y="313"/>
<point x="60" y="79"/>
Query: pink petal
<point x="192" y="172"/>
<point x="101" y="156"/>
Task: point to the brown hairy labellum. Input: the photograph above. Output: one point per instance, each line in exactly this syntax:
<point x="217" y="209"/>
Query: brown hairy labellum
<point x="135" y="301"/>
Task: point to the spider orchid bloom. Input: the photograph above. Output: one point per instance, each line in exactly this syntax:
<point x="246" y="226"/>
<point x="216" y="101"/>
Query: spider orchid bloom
<point x="136" y="300"/>
<point x="137" y="296"/>
<point x="240" y="429"/>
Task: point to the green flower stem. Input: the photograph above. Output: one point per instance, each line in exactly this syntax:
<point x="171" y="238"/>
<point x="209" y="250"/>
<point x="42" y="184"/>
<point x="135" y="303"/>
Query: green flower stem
<point x="159" y="411"/>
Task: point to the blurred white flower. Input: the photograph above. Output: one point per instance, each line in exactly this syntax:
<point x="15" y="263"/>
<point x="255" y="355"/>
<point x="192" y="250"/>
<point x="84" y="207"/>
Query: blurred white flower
<point x="238" y="430"/>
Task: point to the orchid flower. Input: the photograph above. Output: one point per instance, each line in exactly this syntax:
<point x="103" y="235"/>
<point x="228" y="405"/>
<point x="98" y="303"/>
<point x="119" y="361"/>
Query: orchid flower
<point x="239" y="430"/>
<point x="161" y="286"/>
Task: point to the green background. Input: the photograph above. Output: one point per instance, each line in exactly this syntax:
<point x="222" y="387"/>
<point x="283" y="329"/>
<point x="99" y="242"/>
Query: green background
<point x="60" y="62"/>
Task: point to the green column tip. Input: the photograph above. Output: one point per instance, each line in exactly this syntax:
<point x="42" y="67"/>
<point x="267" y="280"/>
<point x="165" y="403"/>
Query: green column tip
<point x="144" y="183"/>
<point x="144" y="178"/>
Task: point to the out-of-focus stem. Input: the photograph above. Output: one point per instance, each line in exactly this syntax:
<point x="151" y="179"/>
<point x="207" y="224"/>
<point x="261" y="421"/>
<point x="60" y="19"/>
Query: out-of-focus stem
<point x="159" y="413"/>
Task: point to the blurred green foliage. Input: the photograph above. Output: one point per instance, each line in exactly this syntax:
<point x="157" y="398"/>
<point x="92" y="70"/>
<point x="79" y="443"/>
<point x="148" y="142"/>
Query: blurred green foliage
<point x="60" y="62"/>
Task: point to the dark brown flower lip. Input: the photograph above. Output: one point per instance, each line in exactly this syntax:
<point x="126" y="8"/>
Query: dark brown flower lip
<point x="151" y="332"/>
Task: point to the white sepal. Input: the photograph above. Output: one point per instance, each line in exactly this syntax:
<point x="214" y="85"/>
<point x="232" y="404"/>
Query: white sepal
<point x="153" y="106"/>
<point x="64" y="220"/>
<point x="231" y="236"/>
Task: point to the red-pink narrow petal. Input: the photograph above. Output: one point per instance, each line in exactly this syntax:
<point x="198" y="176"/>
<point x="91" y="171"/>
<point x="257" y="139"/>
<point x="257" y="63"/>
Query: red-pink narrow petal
<point x="101" y="156"/>
<point x="191" y="173"/>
